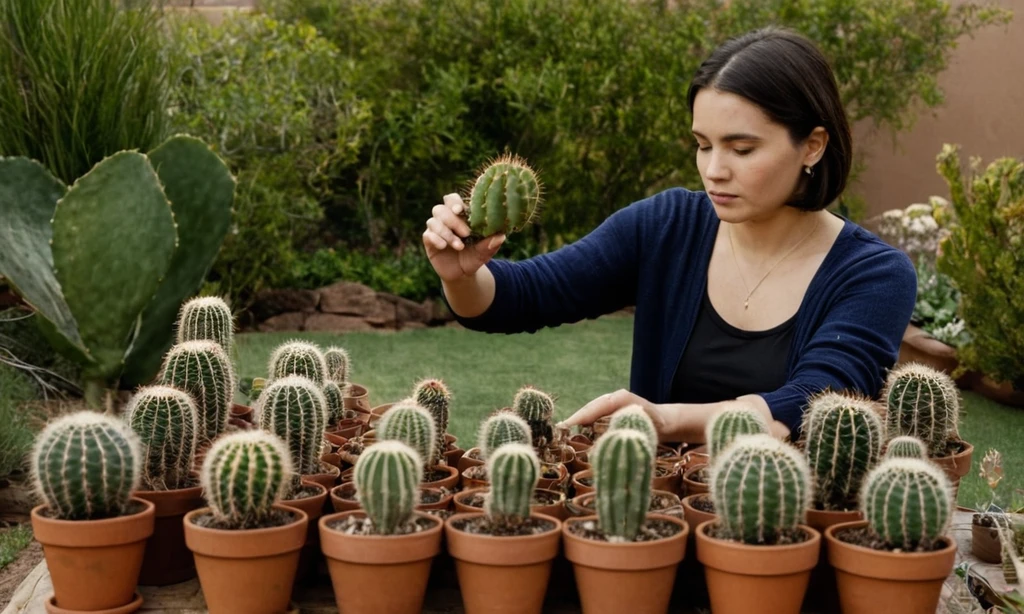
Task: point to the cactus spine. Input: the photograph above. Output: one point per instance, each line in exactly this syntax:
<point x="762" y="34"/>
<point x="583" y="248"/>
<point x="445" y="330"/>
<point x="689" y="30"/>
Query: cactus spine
<point x="505" y="197"/>
<point x="924" y="403"/>
<point x="433" y="395"/>
<point x="334" y="399"/>
<point x="203" y="370"/>
<point x="298" y="358"/>
<point x="906" y="446"/>
<point x="337" y="365"/>
<point x="623" y="463"/>
<point x="294" y="409"/>
<point x="502" y="428"/>
<point x="85" y="466"/>
<point x="634" y="417"/>
<point x="513" y="470"/>
<point x="167" y="423"/>
<point x="207" y="318"/>
<point x="407" y="422"/>
<point x="243" y="475"/>
<point x="761" y="488"/>
<point x="536" y="408"/>
<point x="843" y="442"/>
<point x="387" y="478"/>
<point x="727" y="425"/>
<point x="907" y="501"/>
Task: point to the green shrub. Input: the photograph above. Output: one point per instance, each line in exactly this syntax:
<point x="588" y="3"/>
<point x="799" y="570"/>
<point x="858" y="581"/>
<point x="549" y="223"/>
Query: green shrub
<point x="16" y="433"/>
<point x="404" y="272"/>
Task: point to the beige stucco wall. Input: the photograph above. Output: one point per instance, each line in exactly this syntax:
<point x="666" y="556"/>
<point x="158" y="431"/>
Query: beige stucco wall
<point x="983" y="112"/>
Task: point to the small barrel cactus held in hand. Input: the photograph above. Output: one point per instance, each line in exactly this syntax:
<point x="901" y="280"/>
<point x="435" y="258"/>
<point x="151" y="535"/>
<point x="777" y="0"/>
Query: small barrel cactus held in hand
<point x="407" y="422"/>
<point x="536" y="408"/>
<point x="298" y="358"/>
<point x="167" y="423"/>
<point x="761" y="488"/>
<point x="907" y="502"/>
<point x="207" y="318"/>
<point x="843" y="441"/>
<point x="294" y="409"/>
<point x="433" y="395"/>
<point x="634" y="417"/>
<point x="387" y="479"/>
<point x="338" y="365"/>
<point x="727" y="425"/>
<point x="906" y="446"/>
<point x="85" y="466"/>
<point x="623" y="463"/>
<point x="502" y="428"/>
<point x="243" y="475"/>
<point x="505" y="197"/>
<point x="924" y="403"/>
<point x="203" y="370"/>
<point x="513" y="470"/>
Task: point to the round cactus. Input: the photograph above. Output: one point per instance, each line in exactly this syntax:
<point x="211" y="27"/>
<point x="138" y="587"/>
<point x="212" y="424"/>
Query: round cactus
<point x="761" y="488"/>
<point x="906" y="446"/>
<point x="85" y="466"/>
<point x="407" y="422"/>
<point x="433" y="395"/>
<point x="924" y="403"/>
<point x="203" y="370"/>
<point x="907" y="501"/>
<point x="207" y="318"/>
<point x="502" y="428"/>
<point x="513" y="470"/>
<point x="387" y="478"/>
<point x="294" y="409"/>
<point x="243" y="475"/>
<point x="167" y="423"/>
<point x="337" y="365"/>
<point x="334" y="398"/>
<point x="623" y="464"/>
<point x="505" y="197"/>
<point x="843" y="442"/>
<point x="727" y="425"/>
<point x="298" y="358"/>
<point x="634" y="417"/>
<point x="536" y="408"/>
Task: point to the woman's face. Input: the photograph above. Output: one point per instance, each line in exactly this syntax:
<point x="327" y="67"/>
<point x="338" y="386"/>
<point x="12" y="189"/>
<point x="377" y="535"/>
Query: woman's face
<point x="749" y="164"/>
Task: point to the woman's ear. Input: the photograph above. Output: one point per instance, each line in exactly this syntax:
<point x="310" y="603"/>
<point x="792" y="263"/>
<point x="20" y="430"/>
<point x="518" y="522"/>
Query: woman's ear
<point x="814" y="146"/>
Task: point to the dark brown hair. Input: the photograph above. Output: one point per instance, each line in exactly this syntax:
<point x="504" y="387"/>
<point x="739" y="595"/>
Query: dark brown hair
<point x="786" y="75"/>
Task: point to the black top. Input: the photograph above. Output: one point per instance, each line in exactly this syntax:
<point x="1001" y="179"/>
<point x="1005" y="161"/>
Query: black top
<point x="723" y="362"/>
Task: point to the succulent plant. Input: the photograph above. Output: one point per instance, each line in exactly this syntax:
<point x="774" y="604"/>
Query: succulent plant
<point x="207" y="318"/>
<point x="203" y="370"/>
<point x="167" y="423"/>
<point x="85" y="466"/>
<point x="634" y="417"/>
<point x="294" y="409"/>
<point x="298" y="358"/>
<point x="924" y="403"/>
<point x="907" y="502"/>
<point x="338" y="365"/>
<point x="906" y="446"/>
<point x="502" y="428"/>
<point x="513" y="470"/>
<point x="433" y="395"/>
<point x="761" y="488"/>
<point x="623" y="464"/>
<point x="243" y="475"/>
<point x="537" y="408"/>
<point x="387" y="479"/>
<point x="727" y="425"/>
<point x="843" y="441"/>
<point x="505" y="197"/>
<point x="407" y="422"/>
<point x="334" y="399"/>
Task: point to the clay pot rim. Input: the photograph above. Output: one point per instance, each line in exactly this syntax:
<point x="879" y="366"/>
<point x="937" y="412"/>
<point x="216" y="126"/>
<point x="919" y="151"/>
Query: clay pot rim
<point x="309" y="483"/>
<point x="702" y="534"/>
<point x="131" y="606"/>
<point x="44" y="527"/>
<point x="297" y="514"/>
<point x="954" y="461"/>
<point x="483" y="489"/>
<point x="503" y="538"/>
<point x="438" y="525"/>
<point x="174" y="501"/>
<point x="170" y="493"/>
<point x="830" y="536"/>
<point x="357" y="390"/>
<point x="682" y="535"/>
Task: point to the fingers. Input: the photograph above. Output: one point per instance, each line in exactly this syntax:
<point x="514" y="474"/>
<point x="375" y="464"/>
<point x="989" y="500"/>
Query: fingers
<point x="445" y="233"/>
<point x="446" y="226"/>
<point x="488" y="247"/>
<point x="598" y="408"/>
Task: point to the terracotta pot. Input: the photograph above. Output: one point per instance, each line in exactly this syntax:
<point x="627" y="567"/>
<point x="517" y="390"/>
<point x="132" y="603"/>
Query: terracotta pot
<point x="692" y="458"/>
<point x="344" y="504"/>
<point x="94" y="564"/>
<point x="583" y="505"/>
<point x="985" y="542"/>
<point x="313" y="507"/>
<point x="956" y="466"/>
<point x="167" y="559"/>
<point x="347" y="475"/>
<point x="822" y="594"/>
<point x="692" y="486"/>
<point x="671" y="482"/>
<point x="577" y="482"/>
<point x="874" y="580"/>
<point x="327" y="480"/>
<point x="444" y="503"/>
<point x="347" y="428"/>
<point x="335" y="439"/>
<point x="241" y="412"/>
<point x="555" y="483"/>
<point x="695" y="517"/>
<point x="376" y="413"/>
<point x="1000" y="392"/>
<point x="470" y="459"/>
<point x="580" y="443"/>
<point x="612" y="578"/>
<point x="448" y="482"/>
<point x="136" y="603"/>
<point x="267" y="559"/>
<point x="452" y="453"/>
<point x="600" y="427"/>
<point x="358" y="398"/>
<point x="474" y="477"/>
<point x="373" y="574"/>
<point x="580" y="463"/>
<point x="333" y="460"/>
<point x="918" y="346"/>
<point x="819" y="520"/>
<point x="495" y="572"/>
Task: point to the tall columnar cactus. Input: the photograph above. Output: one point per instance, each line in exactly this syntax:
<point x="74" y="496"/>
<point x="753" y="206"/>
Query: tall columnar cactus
<point x="298" y="358"/>
<point x="167" y="423"/>
<point x="294" y="409"/>
<point x="334" y="397"/>
<point x="513" y="470"/>
<point x="505" y="197"/>
<point x="634" y="417"/>
<point x="387" y="478"/>
<point x="907" y="501"/>
<point x="338" y="365"/>
<point x="207" y="318"/>
<point x="924" y="403"/>
<point x="85" y="466"/>
<point x="906" y="446"/>
<point x="407" y="422"/>
<point x="203" y="370"/>
<point x="761" y="488"/>
<point x="536" y="408"/>
<point x="243" y="475"/>
<point x="727" y="425"/>
<point x="502" y="428"/>
<point x="843" y="442"/>
<point x="623" y="464"/>
<point x="433" y="395"/>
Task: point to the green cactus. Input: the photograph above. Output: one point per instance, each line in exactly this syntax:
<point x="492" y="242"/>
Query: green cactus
<point x="407" y="422"/>
<point x="513" y="470"/>
<point x="907" y="502"/>
<point x="505" y="197"/>
<point x="536" y="408"/>
<point x="294" y="409"/>
<point x="207" y="318"/>
<point x="502" y="428"/>
<point x="634" y="417"/>
<point x="433" y="395"/>
<point x="761" y="488"/>
<point x="923" y="403"/>
<point x="387" y="478"/>
<point x="167" y="423"/>
<point x="727" y="425"/>
<point x="338" y="365"/>
<point x="623" y="464"/>
<point x="298" y="358"/>
<point x="843" y="441"/>
<point x="906" y="446"/>
<point x="85" y="466"/>
<point x="334" y="397"/>
<point x="243" y="475"/>
<point x="203" y="370"/>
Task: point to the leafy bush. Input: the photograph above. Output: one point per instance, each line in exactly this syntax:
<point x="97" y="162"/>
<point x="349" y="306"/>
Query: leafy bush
<point x="403" y="272"/>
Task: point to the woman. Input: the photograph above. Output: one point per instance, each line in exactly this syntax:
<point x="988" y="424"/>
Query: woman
<point x="747" y="293"/>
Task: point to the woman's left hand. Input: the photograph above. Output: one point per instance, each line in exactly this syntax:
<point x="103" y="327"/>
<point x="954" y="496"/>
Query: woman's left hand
<point x="607" y="404"/>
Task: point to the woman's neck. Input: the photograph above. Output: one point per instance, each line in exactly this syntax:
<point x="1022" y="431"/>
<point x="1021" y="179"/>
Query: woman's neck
<point x="767" y="238"/>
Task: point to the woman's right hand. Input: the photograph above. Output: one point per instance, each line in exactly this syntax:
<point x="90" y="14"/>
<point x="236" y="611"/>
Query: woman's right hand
<point x="450" y="257"/>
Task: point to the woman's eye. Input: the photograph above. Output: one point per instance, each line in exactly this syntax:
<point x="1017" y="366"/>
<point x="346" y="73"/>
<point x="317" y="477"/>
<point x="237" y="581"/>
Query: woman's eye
<point x="742" y="152"/>
<point x="705" y="148"/>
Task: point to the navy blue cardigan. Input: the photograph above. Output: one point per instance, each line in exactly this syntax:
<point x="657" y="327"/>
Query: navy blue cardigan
<point x="654" y="254"/>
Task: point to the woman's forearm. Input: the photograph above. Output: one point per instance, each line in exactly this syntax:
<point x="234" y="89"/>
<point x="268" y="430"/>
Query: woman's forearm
<point x="472" y="295"/>
<point x="687" y="421"/>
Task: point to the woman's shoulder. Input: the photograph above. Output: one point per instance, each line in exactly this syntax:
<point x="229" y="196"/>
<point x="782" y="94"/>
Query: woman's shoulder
<point x="671" y="209"/>
<point x="863" y="253"/>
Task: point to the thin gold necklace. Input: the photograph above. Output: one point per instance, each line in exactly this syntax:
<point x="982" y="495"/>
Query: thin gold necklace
<point x="732" y="248"/>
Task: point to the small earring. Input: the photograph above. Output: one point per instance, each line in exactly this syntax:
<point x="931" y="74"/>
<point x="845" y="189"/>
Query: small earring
<point x="809" y="171"/>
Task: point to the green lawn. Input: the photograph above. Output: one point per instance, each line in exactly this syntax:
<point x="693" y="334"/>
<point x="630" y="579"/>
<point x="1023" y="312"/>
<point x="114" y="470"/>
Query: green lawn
<point x="12" y="541"/>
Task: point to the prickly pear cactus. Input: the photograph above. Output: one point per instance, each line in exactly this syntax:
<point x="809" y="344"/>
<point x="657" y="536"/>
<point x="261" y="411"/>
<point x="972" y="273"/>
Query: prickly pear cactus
<point x="433" y="395"/>
<point x="623" y="463"/>
<point x="906" y="446"/>
<point x="537" y="408"/>
<point x="505" y="197"/>
<point x="294" y="409"/>
<point x="513" y="470"/>
<point x="334" y="397"/>
<point x="387" y="478"/>
<point x="243" y="475"/>
<point x="502" y="428"/>
<point x="924" y="403"/>
<point x="298" y="358"/>
<point x="203" y="370"/>
<point x="729" y="424"/>
<point x="207" y="318"/>
<point x="634" y="417"/>
<point x="338" y="365"/>
<point x="407" y="422"/>
<point x="907" y="502"/>
<point x="85" y="466"/>
<point x="167" y="424"/>
<point x="843" y="442"/>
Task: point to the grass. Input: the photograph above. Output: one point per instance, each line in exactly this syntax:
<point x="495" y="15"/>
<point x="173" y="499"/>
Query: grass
<point x="13" y="541"/>
<point x="16" y="432"/>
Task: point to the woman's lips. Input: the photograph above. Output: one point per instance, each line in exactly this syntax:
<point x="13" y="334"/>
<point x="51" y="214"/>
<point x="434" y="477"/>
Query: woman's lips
<point x="722" y="198"/>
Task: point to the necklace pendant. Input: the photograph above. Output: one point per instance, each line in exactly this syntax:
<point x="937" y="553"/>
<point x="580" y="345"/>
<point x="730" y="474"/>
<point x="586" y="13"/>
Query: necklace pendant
<point x="746" y="304"/>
